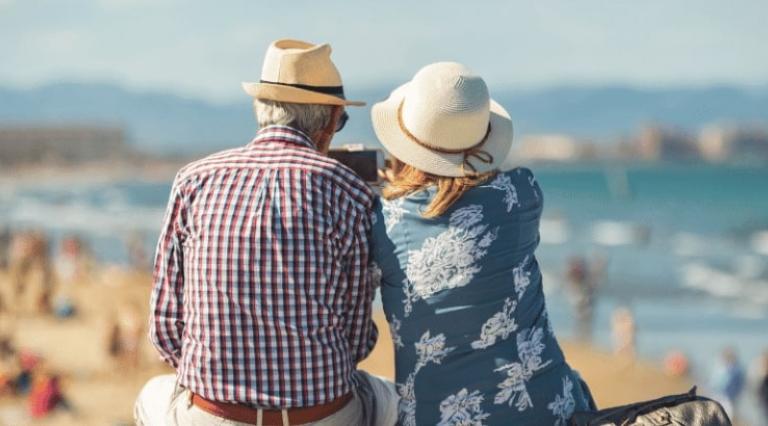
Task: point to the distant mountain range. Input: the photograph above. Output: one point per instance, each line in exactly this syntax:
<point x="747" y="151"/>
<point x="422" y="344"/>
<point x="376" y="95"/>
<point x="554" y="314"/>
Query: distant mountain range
<point x="166" y="123"/>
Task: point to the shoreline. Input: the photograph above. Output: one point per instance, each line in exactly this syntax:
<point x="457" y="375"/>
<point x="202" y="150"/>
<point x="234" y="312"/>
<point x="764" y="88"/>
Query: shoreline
<point x="90" y="173"/>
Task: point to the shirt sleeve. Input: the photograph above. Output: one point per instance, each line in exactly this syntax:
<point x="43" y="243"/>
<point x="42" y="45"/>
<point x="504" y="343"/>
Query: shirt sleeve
<point x="166" y="304"/>
<point x="361" y="329"/>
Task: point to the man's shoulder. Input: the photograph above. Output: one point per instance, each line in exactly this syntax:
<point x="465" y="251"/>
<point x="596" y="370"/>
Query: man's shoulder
<point x="341" y="176"/>
<point x="207" y="164"/>
<point x="333" y="174"/>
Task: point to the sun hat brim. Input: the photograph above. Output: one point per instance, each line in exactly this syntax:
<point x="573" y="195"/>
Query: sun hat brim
<point x="284" y="93"/>
<point x="385" y="124"/>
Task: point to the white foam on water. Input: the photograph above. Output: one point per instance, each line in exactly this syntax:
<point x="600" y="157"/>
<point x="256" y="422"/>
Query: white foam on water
<point x="722" y="284"/>
<point x="616" y="233"/>
<point x="113" y="217"/>
<point x="759" y="242"/>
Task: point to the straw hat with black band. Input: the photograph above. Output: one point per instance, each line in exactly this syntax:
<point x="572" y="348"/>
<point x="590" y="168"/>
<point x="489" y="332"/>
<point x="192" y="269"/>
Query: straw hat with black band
<point x="444" y="122"/>
<point x="299" y="72"/>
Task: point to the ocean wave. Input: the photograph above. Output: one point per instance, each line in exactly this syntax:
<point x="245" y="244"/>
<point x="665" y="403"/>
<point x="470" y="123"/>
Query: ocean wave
<point x="724" y="284"/>
<point x="759" y="242"/>
<point x="115" y="216"/>
<point x="618" y="233"/>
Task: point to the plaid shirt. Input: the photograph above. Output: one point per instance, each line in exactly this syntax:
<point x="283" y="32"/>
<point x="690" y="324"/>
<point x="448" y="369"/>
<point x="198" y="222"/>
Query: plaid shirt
<point x="262" y="292"/>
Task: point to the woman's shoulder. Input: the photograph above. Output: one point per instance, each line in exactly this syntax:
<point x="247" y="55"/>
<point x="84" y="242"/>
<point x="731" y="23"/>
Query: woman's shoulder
<point x="516" y="188"/>
<point x="518" y="176"/>
<point x="389" y="213"/>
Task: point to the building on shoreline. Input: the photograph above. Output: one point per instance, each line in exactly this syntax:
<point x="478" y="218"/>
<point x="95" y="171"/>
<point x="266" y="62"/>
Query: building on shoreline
<point x="715" y="144"/>
<point x="656" y="143"/>
<point x="720" y="144"/>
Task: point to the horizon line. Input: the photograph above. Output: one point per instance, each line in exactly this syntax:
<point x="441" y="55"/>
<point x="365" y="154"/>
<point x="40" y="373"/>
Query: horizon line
<point x="383" y="86"/>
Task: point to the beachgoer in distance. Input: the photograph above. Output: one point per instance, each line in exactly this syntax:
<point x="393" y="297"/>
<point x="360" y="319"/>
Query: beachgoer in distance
<point x="676" y="364"/>
<point x="29" y="258"/>
<point x="582" y="286"/>
<point x="124" y="336"/>
<point x="45" y="395"/>
<point x="728" y="380"/>
<point x="623" y="332"/>
<point x="762" y="386"/>
<point x="262" y="289"/>
<point x="454" y="247"/>
<point x="5" y="242"/>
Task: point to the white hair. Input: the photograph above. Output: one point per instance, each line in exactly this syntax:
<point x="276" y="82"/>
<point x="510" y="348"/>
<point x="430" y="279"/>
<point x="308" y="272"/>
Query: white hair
<point x="309" y="118"/>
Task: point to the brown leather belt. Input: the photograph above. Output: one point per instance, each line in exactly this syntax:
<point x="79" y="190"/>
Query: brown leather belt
<point x="245" y="414"/>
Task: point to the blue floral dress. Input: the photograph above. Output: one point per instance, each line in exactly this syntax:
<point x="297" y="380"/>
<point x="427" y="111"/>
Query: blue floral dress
<point x="463" y="297"/>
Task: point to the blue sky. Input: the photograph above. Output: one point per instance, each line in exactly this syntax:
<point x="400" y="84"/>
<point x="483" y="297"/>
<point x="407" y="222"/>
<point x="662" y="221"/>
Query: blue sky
<point x="205" y="48"/>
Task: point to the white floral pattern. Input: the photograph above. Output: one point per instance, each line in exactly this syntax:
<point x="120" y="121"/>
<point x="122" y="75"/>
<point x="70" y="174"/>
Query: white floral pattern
<point x="393" y="212"/>
<point x="394" y="330"/>
<point x="500" y="325"/>
<point x="448" y="260"/>
<point x="534" y="186"/>
<point x="462" y="409"/>
<point x="514" y="387"/>
<point x="428" y="349"/>
<point x="410" y="297"/>
<point x="563" y="406"/>
<point x="431" y="349"/>
<point x="521" y="277"/>
<point x="375" y="273"/>
<point x="504" y="183"/>
<point x="407" y="403"/>
<point x="459" y="254"/>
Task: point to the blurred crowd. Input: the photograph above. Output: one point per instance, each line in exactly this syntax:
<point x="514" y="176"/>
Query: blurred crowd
<point x="40" y="281"/>
<point x="728" y="379"/>
<point x="26" y="374"/>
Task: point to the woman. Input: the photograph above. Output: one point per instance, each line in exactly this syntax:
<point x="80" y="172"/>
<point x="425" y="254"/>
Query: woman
<point x="454" y="243"/>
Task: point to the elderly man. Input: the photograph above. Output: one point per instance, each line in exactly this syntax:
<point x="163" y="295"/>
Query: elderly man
<point x="262" y="292"/>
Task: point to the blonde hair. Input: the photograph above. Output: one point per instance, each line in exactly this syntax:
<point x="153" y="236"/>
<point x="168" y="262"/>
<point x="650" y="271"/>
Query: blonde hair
<point x="309" y="118"/>
<point x="406" y="179"/>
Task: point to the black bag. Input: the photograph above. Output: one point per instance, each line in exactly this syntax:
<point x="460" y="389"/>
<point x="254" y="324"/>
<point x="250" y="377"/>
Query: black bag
<point x="686" y="409"/>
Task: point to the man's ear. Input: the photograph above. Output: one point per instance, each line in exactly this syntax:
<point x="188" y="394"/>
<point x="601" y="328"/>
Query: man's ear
<point x="324" y="139"/>
<point x="335" y="117"/>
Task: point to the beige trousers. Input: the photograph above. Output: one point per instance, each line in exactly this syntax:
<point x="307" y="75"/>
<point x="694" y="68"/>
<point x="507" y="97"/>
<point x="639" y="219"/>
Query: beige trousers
<point x="163" y="403"/>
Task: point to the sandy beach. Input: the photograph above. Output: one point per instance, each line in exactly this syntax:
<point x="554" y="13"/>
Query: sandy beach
<point x="101" y="390"/>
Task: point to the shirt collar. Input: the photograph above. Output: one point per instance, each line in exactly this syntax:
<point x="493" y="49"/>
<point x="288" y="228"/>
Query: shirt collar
<point x="281" y="133"/>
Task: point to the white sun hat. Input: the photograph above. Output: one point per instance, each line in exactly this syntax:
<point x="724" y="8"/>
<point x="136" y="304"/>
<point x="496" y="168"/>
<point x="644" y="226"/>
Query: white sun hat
<point x="299" y="72"/>
<point x="444" y="122"/>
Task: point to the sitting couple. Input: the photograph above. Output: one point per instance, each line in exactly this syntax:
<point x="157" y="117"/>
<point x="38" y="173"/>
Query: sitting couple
<point x="271" y="254"/>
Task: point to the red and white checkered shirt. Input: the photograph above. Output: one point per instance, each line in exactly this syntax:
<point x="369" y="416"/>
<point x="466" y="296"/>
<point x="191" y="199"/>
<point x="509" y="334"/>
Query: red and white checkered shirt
<point x="262" y="293"/>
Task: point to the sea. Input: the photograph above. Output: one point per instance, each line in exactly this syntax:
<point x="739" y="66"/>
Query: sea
<point x="686" y="246"/>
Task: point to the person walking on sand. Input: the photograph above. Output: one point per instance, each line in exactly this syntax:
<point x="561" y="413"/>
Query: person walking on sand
<point x="728" y="380"/>
<point x="262" y="288"/>
<point x="454" y="242"/>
